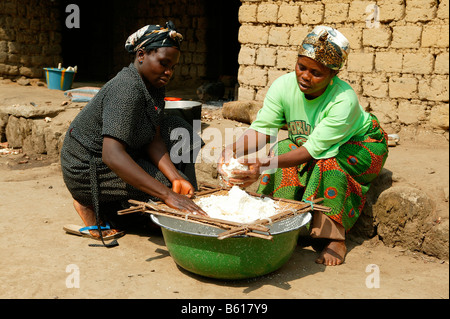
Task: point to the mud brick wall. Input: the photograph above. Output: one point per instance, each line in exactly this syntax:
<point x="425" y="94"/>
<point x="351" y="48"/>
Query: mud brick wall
<point x="30" y="37"/>
<point x="189" y="19"/>
<point x="399" y="67"/>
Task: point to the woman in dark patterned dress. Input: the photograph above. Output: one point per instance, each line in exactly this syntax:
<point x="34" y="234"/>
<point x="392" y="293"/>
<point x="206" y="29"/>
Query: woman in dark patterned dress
<point x="334" y="151"/>
<point x="118" y="147"/>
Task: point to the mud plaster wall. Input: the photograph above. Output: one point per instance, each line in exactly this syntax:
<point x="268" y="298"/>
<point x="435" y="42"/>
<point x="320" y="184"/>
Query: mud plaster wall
<point x="399" y="68"/>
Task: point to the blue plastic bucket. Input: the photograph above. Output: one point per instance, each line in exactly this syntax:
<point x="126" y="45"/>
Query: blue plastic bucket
<point x="59" y="79"/>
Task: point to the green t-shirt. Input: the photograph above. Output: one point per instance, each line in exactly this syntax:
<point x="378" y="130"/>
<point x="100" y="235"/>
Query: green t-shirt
<point x="321" y="125"/>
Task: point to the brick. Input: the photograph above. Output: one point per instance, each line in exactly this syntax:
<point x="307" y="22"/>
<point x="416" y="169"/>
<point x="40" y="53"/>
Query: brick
<point x="201" y="70"/>
<point x="354" y="79"/>
<point x="359" y="10"/>
<point x="246" y="94"/>
<point x="247" y="13"/>
<point x="418" y="63"/>
<point x="385" y="110"/>
<point x="184" y="69"/>
<point x="289" y="14"/>
<point x="354" y="36"/>
<point x="252" y="75"/>
<point x="391" y="10"/>
<point x="266" y="57"/>
<point x="200" y="58"/>
<point x="360" y="62"/>
<point x="374" y="86"/>
<point x="441" y="64"/>
<point x="410" y="112"/>
<point x="435" y="89"/>
<point x="193" y="71"/>
<point x="246" y="55"/>
<point x="406" y="37"/>
<point x="12" y="69"/>
<point x="388" y="61"/>
<point x="336" y="12"/>
<point x="261" y="94"/>
<point x="253" y="34"/>
<point x="30" y="72"/>
<point x="3" y="57"/>
<point x="365" y="103"/>
<point x="267" y="13"/>
<point x="14" y="47"/>
<point x="420" y="10"/>
<point x="297" y="35"/>
<point x="443" y="10"/>
<point x="402" y="87"/>
<point x="279" y="36"/>
<point x="312" y="13"/>
<point x="3" y="46"/>
<point x="272" y="75"/>
<point x="439" y="117"/>
<point x="286" y="59"/>
<point x="377" y="37"/>
<point x="435" y="36"/>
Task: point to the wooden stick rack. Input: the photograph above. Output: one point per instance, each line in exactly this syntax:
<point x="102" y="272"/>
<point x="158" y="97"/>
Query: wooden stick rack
<point x="257" y="228"/>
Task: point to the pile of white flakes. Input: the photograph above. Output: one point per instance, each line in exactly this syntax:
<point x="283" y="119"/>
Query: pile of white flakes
<point x="233" y="165"/>
<point x="238" y="206"/>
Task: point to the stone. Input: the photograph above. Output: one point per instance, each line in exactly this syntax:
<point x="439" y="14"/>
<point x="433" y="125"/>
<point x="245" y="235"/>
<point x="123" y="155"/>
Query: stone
<point x="241" y="111"/>
<point x="23" y="81"/>
<point x="30" y="111"/>
<point x="365" y="227"/>
<point x="17" y="131"/>
<point x="405" y="216"/>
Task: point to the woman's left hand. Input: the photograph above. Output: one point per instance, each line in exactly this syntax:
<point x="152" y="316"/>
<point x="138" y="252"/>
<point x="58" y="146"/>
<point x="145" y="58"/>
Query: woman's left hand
<point x="183" y="187"/>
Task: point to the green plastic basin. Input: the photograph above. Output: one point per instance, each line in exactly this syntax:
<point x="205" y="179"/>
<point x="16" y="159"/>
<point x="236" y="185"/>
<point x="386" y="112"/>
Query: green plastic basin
<point x="196" y="248"/>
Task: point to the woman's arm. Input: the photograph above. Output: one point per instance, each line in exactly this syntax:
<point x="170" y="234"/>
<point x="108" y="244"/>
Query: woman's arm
<point x="159" y="155"/>
<point x="114" y="155"/>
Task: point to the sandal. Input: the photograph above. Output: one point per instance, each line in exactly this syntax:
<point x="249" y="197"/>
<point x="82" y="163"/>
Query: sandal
<point x="84" y="231"/>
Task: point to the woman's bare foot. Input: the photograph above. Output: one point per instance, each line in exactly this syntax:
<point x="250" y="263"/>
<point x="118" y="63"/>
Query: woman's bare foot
<point x="333" y="254"/>
<point x="87" y="214"/>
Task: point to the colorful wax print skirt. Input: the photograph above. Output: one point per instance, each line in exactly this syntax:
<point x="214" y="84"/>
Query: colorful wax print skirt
<point x="342" y="181"/>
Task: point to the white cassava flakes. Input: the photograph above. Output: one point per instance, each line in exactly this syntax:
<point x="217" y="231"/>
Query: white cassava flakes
<point x="238" y="206"/>
<point x="233" y="165"/>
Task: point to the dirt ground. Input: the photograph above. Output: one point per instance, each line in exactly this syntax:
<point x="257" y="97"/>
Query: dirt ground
<point x="39" y="260"/>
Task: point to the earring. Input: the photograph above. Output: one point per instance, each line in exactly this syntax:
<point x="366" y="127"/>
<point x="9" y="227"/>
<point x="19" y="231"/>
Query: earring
<point x="140" y="61"/>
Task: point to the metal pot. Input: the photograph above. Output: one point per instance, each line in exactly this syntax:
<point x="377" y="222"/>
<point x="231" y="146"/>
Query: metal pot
<point x="195" y="247"/>
<point x="189" y="110"/>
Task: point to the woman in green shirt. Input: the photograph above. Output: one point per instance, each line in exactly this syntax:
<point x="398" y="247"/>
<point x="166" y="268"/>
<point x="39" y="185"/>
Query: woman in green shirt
<point x="334" y="149"/>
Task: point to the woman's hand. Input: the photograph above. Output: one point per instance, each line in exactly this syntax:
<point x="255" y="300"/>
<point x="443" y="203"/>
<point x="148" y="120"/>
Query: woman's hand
<point x="225" y="157"/>
<point x="183" y="191"/>
<point x="247" y="178"/>
<point x="183" y="203"/>
<point x="183" y="187"/>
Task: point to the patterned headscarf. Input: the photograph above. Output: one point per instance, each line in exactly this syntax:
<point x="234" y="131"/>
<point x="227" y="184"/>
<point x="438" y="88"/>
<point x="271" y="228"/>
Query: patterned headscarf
<point x="327" y="46"/>
<point x="153" y="37"/>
